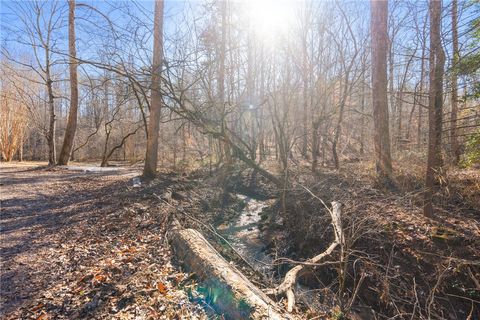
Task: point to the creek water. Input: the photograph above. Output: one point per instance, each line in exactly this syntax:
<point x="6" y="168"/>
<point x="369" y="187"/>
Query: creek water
<point x="245" y="236"/>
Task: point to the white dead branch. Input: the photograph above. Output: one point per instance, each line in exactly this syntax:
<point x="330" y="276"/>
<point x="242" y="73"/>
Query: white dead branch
<point x="287" y="286"/>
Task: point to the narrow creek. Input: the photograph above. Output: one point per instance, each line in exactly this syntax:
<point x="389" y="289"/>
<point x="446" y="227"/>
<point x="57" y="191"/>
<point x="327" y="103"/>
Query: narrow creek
<point x="245" y="236"/>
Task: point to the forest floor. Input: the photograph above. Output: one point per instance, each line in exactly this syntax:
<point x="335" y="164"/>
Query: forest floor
<point x="89" y="243"/>
<point x="409" y="265"/>
<point x="73" y="245"/>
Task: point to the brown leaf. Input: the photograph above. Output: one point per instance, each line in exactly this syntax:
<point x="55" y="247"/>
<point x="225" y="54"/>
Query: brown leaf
<point x="129" y="250"/>
<point x="85" y="278"/>
<point x="100" y="278"/>
<point x="43" y="316"/>
<point x="37" y="307"/>
<point x="162" y="288"/>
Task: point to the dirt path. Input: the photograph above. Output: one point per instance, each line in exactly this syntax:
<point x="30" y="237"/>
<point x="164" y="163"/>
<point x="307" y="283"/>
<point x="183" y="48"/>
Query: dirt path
<point x="73" y="245"/>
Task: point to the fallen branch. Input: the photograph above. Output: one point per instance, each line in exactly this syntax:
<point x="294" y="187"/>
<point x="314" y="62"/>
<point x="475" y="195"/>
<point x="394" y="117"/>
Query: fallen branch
<point x="287" y="286"/>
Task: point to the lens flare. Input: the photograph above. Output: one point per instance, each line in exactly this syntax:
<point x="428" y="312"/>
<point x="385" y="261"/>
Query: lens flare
<point x="271" y="19"/>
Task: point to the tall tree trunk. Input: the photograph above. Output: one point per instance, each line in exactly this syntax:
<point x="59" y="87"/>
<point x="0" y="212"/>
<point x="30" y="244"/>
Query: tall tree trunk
<point x="362" y="117"/>
<point x="305" y="81"/>
<point x="151" y="155"/>
<point x="391" y="89"/>
<point x="336" y="136"/>
<point x="453" y="130"/>
<point x="52" y="153"/>
<point x="421" y="99"/>
<point x="399" y="101"/>
<point x="221" y="80"/>
<point x="20" y="156"/>
<point x="21" y="144"/>
<point x="412" y="112"/>
<point x="315" y="144"/>
<point x="72" y="115"/>
<point x="251" y="93"/>
<point x="104" y="162"/>
<point x="435" y="105"/>
<point x="379" y="16"/>
<point x="261" y="124"/>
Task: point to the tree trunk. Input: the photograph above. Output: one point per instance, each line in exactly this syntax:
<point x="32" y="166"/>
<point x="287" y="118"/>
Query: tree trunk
<point x="315" y="144"/>
<point x="379" y="16"/>
<point x="72" y="115"/>
<point x="51" y="125"/>
<point x="453" y="131"/>
<point x="391" y="89"/>
<point x="105" y="148"/>
<point x="399" y="101"/>
<point x="412" y="111"/>
<point x="22" y="142"/>
<point x="226" y="151"/>
<point x="435" y="105"/>
<point x="421" y="99"/>
<point x="151" y="155"/>
<point x="261" y="126"/>
<point x="305" y="81"/>
<point x="362" y="119"/>
<point x="336" y="137"/>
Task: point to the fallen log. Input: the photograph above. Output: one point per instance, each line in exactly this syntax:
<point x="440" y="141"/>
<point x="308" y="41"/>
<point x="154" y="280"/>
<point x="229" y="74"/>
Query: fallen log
<point x="287" y="286"/>
<point x="231" y="293"/>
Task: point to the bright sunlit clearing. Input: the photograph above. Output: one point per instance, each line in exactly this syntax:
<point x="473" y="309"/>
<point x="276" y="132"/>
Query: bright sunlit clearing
<point x="270" y="19"/>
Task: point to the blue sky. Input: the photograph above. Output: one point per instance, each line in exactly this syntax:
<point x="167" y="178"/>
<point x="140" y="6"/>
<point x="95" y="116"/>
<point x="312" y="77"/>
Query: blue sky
<point x="130" y="14"/>
<point x="121" y="14"/>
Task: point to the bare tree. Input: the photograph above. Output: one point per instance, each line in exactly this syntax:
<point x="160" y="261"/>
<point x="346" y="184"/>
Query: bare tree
<point x="348" y="76"/>
<point x="72" y="114"/>
<point x="379" y="16"/>
<point x="38" y="27"/>
<point x="453" y="116"/>
<point x="151" y="155"/>
<point x="435" y="105"/>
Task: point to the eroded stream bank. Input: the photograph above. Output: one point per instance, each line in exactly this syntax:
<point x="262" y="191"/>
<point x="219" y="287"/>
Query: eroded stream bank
<point x="225" y="285"/>
<point x="242" y="239"/>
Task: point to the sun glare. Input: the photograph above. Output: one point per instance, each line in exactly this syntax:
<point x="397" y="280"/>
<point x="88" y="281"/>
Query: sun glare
<point x="270" y="19"/>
